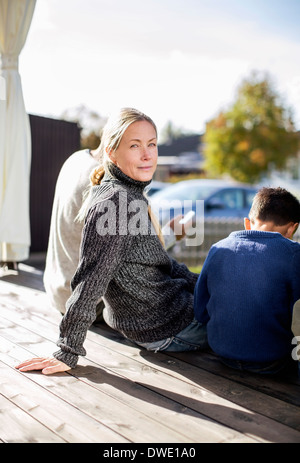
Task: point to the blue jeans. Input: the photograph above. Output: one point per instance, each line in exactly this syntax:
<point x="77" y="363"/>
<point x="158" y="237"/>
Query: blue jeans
<point x="193" y="337"/>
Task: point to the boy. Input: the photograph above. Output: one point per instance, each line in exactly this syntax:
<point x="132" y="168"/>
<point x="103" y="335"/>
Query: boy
<point x="249" y="284"/>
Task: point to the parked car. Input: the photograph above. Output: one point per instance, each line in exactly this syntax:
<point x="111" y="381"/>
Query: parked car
<point x="156" y="186"/>
<point x="221" y="199"/>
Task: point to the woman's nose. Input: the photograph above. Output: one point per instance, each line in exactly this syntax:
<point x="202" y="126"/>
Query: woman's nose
<point x="146" y="153"/>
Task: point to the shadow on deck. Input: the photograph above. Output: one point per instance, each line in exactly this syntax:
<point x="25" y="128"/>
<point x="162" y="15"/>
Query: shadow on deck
<point x="120" y="394"/>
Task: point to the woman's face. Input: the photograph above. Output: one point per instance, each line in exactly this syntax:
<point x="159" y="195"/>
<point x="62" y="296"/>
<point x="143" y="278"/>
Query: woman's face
<point x="136" y="154"/>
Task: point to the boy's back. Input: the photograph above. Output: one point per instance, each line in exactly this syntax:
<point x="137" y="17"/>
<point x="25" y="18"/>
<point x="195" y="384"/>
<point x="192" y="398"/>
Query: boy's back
<point x="246" y="292"/>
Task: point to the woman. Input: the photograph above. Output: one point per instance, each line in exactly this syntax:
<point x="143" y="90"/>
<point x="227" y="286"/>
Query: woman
<point x="148" y="295"/>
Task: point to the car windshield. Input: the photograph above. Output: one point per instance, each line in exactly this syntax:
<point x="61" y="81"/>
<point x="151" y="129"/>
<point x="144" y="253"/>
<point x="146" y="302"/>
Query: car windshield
<point x="183" y="191"/>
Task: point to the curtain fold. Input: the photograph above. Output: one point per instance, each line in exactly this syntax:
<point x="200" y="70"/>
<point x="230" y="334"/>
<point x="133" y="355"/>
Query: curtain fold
<point x="15" y="135"/>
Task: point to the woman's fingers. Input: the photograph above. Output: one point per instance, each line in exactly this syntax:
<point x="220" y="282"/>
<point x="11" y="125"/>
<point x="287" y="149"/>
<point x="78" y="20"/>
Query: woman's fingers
<point x="32" y="364"/>
<point x="47" y="365"/>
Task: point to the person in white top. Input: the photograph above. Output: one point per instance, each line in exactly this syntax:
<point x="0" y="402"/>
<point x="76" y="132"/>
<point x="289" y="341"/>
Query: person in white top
<point x="65" y="232"/>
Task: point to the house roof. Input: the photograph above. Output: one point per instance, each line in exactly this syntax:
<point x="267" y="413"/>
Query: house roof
<point x="187" y="143"/>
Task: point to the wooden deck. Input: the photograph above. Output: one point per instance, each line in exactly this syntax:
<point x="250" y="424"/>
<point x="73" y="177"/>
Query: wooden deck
<point x="120" y="394"/>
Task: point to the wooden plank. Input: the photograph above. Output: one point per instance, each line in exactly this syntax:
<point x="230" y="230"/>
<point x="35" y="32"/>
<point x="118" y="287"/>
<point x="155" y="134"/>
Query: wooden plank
<point x="25" y="276"/>
<point x="142" y="402"/>
<point x="31" y="299"/>
<point x="65" y="421"/>
<point x="202" y="390"/>
<point x="114" y="414"/>
<point x="172" y="413"/>
<point x="18" y="426"/>
<point x="204" y="393"/>
<point x="285" y="389"/>
<point x="20" y="336"/>
<point x="213" y="407"/>
<point x="263" y="402"/>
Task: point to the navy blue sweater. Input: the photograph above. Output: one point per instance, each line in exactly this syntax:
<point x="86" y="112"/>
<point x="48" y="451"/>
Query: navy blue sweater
<point x="246" y="292"/>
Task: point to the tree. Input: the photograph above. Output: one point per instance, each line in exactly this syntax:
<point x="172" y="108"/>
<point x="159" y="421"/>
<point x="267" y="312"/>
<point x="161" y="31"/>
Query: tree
<point x="90" y="123"/>
<point x="170" y="133"/>
<point x="255" y="133"/>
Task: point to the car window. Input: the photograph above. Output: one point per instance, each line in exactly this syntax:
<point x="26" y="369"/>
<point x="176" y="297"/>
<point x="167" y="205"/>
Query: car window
<point x="183" y="192"/>
<point x="249" y="195"/>
<point x="203" y="192"/>
<point x="232" y="199"/>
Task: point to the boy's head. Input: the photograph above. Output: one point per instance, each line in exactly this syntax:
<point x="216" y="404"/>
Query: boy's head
<point x="275" y="209"/>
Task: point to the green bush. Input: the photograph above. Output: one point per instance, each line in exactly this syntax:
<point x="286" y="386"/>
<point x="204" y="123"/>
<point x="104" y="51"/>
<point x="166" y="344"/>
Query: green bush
<point x="196" y="269"/>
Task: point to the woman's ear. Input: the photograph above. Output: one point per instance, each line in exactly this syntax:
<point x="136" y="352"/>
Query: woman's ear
<point x="111" y="155"/>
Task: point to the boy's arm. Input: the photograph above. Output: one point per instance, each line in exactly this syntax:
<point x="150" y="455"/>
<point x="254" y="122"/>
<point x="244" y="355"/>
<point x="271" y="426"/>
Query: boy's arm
<point x="201" y="296"/>
<point x="296" y="274"/>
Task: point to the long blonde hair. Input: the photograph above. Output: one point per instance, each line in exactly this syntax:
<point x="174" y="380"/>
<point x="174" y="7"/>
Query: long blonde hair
<point x="112" y="134"/>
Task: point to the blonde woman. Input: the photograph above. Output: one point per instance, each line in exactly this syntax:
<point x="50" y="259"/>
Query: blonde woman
<point x="65" y="231"/>
<point x="148" y="295"/>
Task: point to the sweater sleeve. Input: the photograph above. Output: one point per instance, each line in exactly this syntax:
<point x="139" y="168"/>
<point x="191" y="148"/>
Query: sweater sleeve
<point x="182" y="271"/>
<point x="296" y="274"/>
<point x="201" y="294"/>
<point x="100" y="256"/>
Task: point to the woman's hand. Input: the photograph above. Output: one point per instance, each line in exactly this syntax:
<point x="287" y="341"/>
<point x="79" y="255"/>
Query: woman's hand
<point x="48" y="365"/>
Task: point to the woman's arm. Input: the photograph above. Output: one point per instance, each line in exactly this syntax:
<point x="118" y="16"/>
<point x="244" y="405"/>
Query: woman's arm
<point x="100" y="256"/>
<point x="182" y="271"/>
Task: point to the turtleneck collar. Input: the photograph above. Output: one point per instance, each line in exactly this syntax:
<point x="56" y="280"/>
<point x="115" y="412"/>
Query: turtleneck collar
<point x="113" y="172"/>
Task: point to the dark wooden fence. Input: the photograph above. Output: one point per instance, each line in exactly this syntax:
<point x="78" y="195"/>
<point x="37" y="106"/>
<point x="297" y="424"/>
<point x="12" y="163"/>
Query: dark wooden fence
<point x="52" y="143"/>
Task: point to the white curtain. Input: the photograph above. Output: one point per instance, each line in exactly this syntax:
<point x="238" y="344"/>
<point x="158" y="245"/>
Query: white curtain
<point x="15" y="136"/>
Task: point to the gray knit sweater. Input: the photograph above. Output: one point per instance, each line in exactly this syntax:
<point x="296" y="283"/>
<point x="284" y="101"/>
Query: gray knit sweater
<point x="148" y="295"/>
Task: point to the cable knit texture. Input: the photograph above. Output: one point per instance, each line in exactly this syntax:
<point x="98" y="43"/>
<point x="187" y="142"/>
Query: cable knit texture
<point x="148" y="295"/>
<point x="246" y="292"/>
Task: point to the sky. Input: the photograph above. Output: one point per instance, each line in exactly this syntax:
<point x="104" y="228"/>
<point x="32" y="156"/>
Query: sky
<point x="176" y="60"/>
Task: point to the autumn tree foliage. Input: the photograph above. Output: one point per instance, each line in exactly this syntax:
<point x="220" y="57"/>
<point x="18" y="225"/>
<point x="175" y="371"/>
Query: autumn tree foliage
<point x="255" y="133"/>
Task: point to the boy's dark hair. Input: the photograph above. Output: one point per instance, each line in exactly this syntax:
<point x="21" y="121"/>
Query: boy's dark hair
<point x="275" y="205"/>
